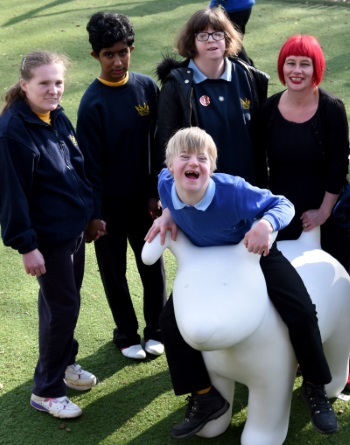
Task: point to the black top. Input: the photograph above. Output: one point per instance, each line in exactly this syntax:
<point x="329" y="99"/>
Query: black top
<point x="231" y="107"/>
<point x="305" y="159"/>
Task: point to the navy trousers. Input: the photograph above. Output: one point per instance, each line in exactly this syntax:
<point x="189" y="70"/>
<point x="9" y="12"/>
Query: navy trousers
<point x="240" y="20"/>
<point x="128" y="220"/>
<point x="58" y="306"/>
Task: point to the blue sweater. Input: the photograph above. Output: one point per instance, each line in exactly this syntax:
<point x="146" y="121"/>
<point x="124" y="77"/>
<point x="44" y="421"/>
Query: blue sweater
<point x="233" y="5"/>
<point x="45" y="198"/>
<point x="227" y="210"/>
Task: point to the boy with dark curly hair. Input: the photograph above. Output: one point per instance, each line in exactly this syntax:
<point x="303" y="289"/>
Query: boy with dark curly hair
<point x="115" y="128"/>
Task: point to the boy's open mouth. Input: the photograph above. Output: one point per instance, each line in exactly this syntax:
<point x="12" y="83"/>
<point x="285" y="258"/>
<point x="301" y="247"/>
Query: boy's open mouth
<point x="191" y="174"/>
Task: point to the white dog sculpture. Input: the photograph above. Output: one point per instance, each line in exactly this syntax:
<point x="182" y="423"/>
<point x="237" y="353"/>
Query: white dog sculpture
<point x="222" y="309"/>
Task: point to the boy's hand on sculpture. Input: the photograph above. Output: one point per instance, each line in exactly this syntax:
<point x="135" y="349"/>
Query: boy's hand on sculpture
<point x="162" y="224"/>
<point x="258" y="239"/>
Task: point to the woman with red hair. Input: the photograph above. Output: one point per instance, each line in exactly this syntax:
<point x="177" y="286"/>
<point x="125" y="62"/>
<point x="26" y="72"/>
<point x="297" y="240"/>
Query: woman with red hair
<point x="302" y="140"/>
<point x="303" y="46"/>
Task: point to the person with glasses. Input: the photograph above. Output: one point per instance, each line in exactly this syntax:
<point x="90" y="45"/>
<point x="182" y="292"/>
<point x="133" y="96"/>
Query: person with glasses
<point x="204" y="36"/>
<point x="211" y="89"/>
<point x="218" y="93"/>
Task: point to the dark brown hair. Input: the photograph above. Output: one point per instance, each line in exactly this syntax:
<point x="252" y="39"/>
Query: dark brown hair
<point x="201" y="20"/>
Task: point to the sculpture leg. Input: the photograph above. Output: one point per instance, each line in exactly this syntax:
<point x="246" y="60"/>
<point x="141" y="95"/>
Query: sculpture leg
<point x="270" y="383"/>
<point x="337" y="353"/>
<point x="226" y="387"/>
<point x="268" y="411"/>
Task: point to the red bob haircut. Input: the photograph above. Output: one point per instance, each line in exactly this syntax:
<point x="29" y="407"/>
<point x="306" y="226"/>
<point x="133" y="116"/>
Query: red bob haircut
<point x="303" y="45"/>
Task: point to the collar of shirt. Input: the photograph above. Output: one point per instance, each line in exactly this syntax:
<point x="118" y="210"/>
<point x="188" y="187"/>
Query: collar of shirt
<point x="199" y="77"/>
<point x="115" y="84"/>
<point x="203" y="204"/>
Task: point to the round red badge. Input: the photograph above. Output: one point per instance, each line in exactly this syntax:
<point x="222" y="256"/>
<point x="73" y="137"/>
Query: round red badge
<point x="204" y="100"/>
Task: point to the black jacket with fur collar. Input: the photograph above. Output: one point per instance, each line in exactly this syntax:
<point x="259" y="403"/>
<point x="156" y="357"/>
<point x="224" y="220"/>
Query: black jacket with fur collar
<point x="176" y="108"/>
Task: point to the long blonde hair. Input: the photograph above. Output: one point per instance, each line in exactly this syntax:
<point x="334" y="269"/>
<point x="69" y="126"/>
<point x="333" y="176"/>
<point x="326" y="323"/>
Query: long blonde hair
<point x="29" y="63"/>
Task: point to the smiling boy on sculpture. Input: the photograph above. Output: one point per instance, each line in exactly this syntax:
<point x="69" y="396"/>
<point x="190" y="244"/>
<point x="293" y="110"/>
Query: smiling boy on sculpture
<point x="215" y="209"/>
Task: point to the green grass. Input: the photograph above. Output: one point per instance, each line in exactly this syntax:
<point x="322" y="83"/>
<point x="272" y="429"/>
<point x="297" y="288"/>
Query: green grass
<point x="133" y="403"/>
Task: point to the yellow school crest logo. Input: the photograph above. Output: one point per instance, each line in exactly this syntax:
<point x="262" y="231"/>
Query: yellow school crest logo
<point x="245" y="104"/>
<point x="143" y="110"/>
<point x="73" y="139"/>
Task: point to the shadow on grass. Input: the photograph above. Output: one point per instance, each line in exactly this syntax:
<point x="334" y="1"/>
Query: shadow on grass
<point x="114" y="402"/>
<point x="138" y="413"/>
<point x="106" y="361"/>
<point x="142" y="8"/>
<point x="37" y="12"/>
<point x="135" y="411"/>
<point x="126" y="415"/>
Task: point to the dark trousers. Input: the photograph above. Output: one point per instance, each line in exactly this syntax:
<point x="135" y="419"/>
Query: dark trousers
<point x="58" y="305"/>
<point x="336" y="241"/>
<point x="240" y="19"/>
<point x="129" y="220"/>
<point x="291" y="300"/>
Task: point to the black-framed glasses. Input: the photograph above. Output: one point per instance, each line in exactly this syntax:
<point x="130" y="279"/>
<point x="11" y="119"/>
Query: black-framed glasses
<point x="204" y="36"/>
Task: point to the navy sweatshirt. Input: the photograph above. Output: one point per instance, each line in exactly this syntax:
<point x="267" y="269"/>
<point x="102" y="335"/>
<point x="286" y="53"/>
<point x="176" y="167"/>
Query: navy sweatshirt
<point x="45" y="198"/>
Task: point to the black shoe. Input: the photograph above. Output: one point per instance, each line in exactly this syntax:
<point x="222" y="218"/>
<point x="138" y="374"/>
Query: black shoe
<point x="323" y="417"/>
<point x="201" y="409"/>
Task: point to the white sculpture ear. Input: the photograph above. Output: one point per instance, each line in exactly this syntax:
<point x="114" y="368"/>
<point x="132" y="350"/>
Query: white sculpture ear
<point x="312" y="239"/>
<point x="152" y="251"/>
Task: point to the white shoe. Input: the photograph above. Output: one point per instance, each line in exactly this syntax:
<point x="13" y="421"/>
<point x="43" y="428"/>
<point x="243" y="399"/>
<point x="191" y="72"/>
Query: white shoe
<point x="77" y="378"/>
<point x="135" y="351"/>
<point x="154" y="347"/>
<point x="60" y="407"/>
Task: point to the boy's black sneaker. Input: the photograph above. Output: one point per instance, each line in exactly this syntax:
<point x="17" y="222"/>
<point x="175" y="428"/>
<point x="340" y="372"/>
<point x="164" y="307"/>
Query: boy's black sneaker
<point x="323" y="417"/>
<point x="200" y="410"/>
